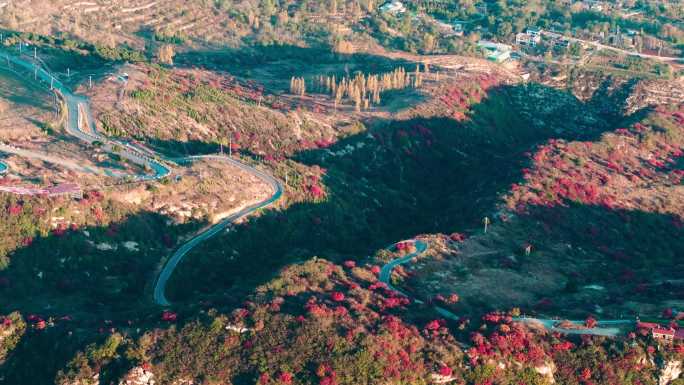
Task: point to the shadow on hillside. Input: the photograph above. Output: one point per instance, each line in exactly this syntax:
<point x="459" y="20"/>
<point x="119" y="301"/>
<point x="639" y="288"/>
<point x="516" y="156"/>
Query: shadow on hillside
<point x="584" y="258"/>
<point x="89" y="275"/>
<point x="89" y="269"/>
<point x="406" y="178"/>
<point x="611" y="102"/>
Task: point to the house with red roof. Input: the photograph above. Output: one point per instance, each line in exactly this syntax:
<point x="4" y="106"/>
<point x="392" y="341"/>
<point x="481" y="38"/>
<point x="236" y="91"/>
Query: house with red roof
<point x="663" y="333"/>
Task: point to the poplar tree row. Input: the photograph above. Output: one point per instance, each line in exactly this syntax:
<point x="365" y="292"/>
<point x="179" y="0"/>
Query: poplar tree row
<point x="297" y="86"/>
<point x="364" y="90"/>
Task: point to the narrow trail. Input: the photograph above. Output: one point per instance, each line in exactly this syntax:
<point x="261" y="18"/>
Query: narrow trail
<point x="78" y="108"/>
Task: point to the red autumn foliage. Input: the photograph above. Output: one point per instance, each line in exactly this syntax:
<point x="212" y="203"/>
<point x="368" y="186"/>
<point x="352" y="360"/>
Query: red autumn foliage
<point x="590" y="322"/>
<point x="316" y="191"/>
<point x="285" y="378"/>
<point x="445" y="371"/>
<point x="169" y="316"/>
<point x="457" y="237"/>
<point x="585" y="375"/>
<point x="433" y="325"/>
<point x="14" y="210"/>
<point x="337" y="296"/>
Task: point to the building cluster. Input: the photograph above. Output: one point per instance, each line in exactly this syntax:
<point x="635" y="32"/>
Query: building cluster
<point x="531" y="37"/>
<point x="659" y="332"/>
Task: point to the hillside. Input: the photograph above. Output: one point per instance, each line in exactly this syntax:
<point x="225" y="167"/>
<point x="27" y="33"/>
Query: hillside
<point x="241" y="192"/>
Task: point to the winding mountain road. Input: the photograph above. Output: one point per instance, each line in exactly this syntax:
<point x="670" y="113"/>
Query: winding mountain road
<point x="76" y="105"/>
<point x="386" y="272"/>
<point x="78" y="108"/>
<point x="172" y="263"/>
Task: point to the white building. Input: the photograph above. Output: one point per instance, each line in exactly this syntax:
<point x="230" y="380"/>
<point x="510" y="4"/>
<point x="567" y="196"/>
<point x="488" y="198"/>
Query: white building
<point x="531" y="37"/>
<point x="496" y="52"/>
<point x="393" y="6"/>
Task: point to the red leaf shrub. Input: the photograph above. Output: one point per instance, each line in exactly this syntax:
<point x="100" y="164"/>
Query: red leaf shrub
<point x="590" y="322"/>
<point x="169" y="316"/>
<point x="285" y="378"/>
<point x="433" y="325"/>
<point x="337" y="296"/>
<point x="445" y="371"/>
<point x="14" y="210"/>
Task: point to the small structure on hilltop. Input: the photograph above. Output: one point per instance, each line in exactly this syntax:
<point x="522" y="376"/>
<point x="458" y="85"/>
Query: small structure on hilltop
<point x="458" y="28"/>
<point x="495" y="52"/>
<point x="393" y="7"/>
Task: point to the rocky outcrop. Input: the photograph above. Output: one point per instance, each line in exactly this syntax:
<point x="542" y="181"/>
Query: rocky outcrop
<point x="547" y="371"/>
<point x="670" y="371"/>
<point x="138" y="376"/>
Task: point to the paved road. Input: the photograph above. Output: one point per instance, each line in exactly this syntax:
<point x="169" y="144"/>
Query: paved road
<point x="76" y="104"/>
<point x="172" y="263"/>
<point x="386" y="272"/>
<point x="603" y="327"/>
<point x="607" y="47"/>
<point x="79" y="116"/>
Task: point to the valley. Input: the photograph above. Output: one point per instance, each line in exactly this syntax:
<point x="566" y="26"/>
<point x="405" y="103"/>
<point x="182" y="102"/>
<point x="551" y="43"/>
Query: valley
<point x="333" y="194"/>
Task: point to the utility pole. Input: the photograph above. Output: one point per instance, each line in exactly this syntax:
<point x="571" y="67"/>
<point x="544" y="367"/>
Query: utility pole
<point x="35" y="52"/>
<point x="90" y="82"/>
<point x="230" y="146"/>
<point x="52" y="82"/>
<point x="69" y="73"/>
<point x="486" y="222"/>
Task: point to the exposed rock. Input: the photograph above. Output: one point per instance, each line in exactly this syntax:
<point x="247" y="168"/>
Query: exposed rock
<point x="669" y="372"/>
<point x="131" y="246"/>
<point x="547" y="370"/>
<point x="138" y="376"/>
<point x="440" y="379"/>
